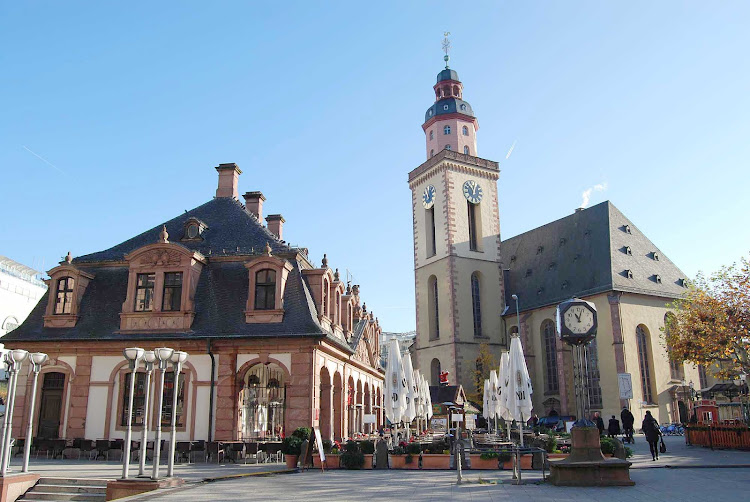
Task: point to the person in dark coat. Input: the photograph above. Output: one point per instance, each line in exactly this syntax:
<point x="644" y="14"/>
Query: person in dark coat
<point x="652" y="432"/>
<point x="627" y="424"/>
<point x="614" y="427"/>
<point x="599" y="423"/>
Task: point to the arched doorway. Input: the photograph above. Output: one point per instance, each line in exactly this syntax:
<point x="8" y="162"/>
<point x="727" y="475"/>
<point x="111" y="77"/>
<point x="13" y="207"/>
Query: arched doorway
<point x="325" y="404"/>
<point x="261" y="402"/>
<point x="684" y="416"/>
<point x="338" y="407"/>
<point x="435" y="372"/>
<point x="50" y="405"/>
<point x="351" y="407"/>
<point x="368" y="407"/>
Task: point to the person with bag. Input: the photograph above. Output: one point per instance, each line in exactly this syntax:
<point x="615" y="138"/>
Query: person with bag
<point x="627" y="424"/>
<point x="650" y="428"/>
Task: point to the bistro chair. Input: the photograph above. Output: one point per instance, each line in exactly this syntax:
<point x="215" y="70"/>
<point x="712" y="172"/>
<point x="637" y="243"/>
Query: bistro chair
<point x="149" y="448"/>
<point x="234" y="451"/>
<point x="17" y="446"/>
<point x="215" y="448"/>
<point x="118" y="444"/>
<point x="57" y="446"/>
<point x="87" y="447"/>
<point x="42" y="445"/>
<point x="102" y="449"/>
<point x="251" y="452"/>
<point x="197" y="447"/>
<point x="182" y="451"/>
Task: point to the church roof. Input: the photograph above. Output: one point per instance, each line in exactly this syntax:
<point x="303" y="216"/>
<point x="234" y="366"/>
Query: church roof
<point x="447" y="74"/>
<point x="591" y="251"/>
<point x="221" y="291"/>
<point x="448" y="105"/>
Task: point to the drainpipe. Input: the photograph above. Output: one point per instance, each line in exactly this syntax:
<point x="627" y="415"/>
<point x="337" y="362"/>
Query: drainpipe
<point x="211" y="395"/>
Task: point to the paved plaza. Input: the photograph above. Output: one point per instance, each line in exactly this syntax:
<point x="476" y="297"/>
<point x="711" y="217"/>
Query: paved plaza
<point x="683" y="473"/>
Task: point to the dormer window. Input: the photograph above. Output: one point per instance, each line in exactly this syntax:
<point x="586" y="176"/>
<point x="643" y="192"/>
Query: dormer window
<point x="193" y="229"/>
<point x="445" y="107"/>
<point x="64" y="296"/>
<point x="172" y="297"/>
<point x="144" y="293"/>
<point x="655" y="255"/>
<point x="265" y="289"/>
<point x="463" y="106"/>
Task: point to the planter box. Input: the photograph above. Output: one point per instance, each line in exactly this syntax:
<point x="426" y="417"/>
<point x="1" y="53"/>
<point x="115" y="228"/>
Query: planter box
<point x="525" y="463"/>
<point x="478" y="463"/>
<point x="368" y="461"/>
<point x="399" y="462"/>
<point x="332" y="461"/>
<point x="435" y="461"/>
<point x="291" y="461"/>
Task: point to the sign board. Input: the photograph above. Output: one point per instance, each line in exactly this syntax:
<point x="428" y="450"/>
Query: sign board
<point x="319" y="444"/>
<point x="626" y="385"/>
<point x="471" y="421"/>
<point x="369" y="418"/>
<point x="439" y="423"/>
<point x="457" y="417"/>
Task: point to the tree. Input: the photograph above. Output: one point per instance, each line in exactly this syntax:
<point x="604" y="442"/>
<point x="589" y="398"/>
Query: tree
<point x="485" y="362"/>
<point x="710" y="325"/>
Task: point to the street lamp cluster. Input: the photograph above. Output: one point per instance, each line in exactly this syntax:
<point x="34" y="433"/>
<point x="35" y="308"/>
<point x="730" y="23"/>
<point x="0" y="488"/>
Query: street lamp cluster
<point x="11" y="361"/>
<point x="162" y="357"/>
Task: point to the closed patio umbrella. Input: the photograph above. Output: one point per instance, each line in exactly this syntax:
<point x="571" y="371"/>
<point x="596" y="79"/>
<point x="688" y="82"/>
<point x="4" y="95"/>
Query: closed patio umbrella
<point x="408" y="412"/>
<point x="518" y="386"/>
<point x="393" y="396"/>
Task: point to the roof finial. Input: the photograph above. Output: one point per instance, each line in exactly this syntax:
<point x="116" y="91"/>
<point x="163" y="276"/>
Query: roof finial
<point x="446" y="48"/>
<point x="325" y="261"/>
<point x="268" y="249"/>
<point x="336" y="275"/>
<point x="163" y="235"/>
<point x="68" y="258"/>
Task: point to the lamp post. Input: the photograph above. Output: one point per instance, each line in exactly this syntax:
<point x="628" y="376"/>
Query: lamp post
<point x="177" y="359"/>
<point x="17" y="356"/>
<point x="133" y="356"/>
<point x="7" y="365"/>
<point x="148" y="361"/>
<point x="163" y="354"/>
<point x="37" y="359"/>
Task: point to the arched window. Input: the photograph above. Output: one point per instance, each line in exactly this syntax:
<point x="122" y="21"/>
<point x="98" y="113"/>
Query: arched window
<point x="447" y="147"/>
<point x="337" y="308"/>
<point x="447" y="130"/>
<point x="433" y="308"/>
<point x="325" y="298"/>
<point x="465" y="131"/>
<point x="466" y="150"/>
<point x="455" y="90"/>
<point x="435" y="372"/>
<point x="64" y="299"/>
<point x="10" y="323"/>
<point x="550" y="356"/>
<point x="432" y="152"/>
<point x="476" y="304"/>
<point x="431" y="135"/>
<point x="473" y="216"/>
<point x="676" y="368"/>
<point x="643" y="341"/>
<point x="262" y="402"/>
<point x="265" y="289"/>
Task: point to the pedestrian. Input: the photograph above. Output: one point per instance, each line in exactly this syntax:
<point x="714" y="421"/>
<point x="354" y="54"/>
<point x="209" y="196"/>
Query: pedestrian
<point x="627" y="423"/>
<point x="534" y="420"/>
<point x="650" y="428"/>
<point x="599" y="423"/>
<point x="614" y="427"/>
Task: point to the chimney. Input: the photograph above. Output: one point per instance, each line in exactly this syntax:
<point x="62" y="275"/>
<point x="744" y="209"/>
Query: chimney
<point x="254" y="203"/>
<point x="275" y="224"/>
<point x="228" y="174"/>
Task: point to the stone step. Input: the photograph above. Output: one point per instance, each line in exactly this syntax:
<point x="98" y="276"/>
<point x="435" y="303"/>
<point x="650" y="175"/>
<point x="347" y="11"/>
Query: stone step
<point x="73" y="482"/>
<point x="44" y="487"/>
<point x="60" y="497"/>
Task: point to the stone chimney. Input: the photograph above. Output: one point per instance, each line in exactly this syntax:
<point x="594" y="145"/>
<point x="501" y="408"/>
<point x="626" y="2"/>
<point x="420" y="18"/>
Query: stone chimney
<point x="275" y="224"/>
<point x="228" y="174"/>
<point x="254" y="203"/>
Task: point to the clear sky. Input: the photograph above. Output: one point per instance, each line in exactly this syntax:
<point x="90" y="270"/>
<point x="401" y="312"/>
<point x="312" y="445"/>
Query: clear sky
<point x="130" y="105"/>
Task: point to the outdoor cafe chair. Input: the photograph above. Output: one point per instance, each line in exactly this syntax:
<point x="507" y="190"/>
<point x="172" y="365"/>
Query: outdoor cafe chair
<point x="117" y="444"/>
<point x="17" y="446"/>
<point x="251" y="451"/>
<point x="197" y="447"/>
<point x="57" y="446"/>
<point x="182" y="451"/>
<point x="86" y="447"/>
<point x="42" y="445"/>
<point x="102" y="449"/>
<point x="234" y="451"/>
<point x="215" y="448"/>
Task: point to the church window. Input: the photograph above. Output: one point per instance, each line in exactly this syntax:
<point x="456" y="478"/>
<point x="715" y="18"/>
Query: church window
<point x="435" y="372"/>
<point x="144" y="292"/>
<point x="172" y="297"/>
<point x="474" y="226"/>
<point x="445" y="107"/>
<point x="676" y="368"/>
<point x="433" y="308"/>
<point x="64" y="299"/>
<point x="476" y="304"/>
<point x="432" y="135"/>
<point x="466" y="150"/>
<point x="465" y="130"/>
<point x="702" y="377"/>
<point x="550" y="356"/>
<point x="325" y="298"/>
<point x="430" y="224"/>
<point x="265" y="289"/>
<point x="447" y="130"/>
<point x="593" y="376"/>
<point x="432" y="153"/>
<point x="447" y="147"/>
<point x="643" y="341"/>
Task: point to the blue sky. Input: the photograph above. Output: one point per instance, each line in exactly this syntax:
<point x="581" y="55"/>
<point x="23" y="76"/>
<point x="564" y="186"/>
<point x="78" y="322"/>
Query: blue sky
<point x="132" y="104"/>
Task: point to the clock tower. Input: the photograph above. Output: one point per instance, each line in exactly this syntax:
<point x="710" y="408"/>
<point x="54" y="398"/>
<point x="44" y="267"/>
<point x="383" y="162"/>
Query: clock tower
<point x="458" y="277"/>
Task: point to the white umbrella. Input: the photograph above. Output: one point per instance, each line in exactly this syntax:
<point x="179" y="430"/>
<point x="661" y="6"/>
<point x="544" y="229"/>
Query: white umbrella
<point x="518" y="386"/>
<point x="428" y="396"/>
<point x="486" y="412"/>
<point x="394" y="399"/>
<point x="408" y="413"/>
<point x="502" y="406"/>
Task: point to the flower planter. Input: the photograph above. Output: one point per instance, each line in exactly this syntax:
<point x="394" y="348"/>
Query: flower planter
<point x="477" y="462"/>
<point x="332" y="461"/>
<point x="291" y="461"/>
<point x="368" y="461"/>
<point x="399" y="462"/>
<point x="435" y="461"/>
<point x="525" y="463"/>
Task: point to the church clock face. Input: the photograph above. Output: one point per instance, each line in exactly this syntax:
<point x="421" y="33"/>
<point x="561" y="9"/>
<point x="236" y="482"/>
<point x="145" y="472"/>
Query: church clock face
<point x="472" y="191"/>
<point x="428" y="197"/>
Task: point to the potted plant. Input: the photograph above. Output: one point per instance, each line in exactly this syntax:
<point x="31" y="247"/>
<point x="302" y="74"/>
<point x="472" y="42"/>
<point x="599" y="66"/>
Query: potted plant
<point x="485" y="460"/>
<point x="352" y="457"/>
<point x="291" y="446"/>
<point x="398" y="457"/>
<point x="331" y="450"/>
<point x="505" y="459"/>
<point x="436" y="455"/>
<point x="368" y="450"/>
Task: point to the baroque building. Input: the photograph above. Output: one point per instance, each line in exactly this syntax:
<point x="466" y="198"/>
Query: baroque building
<point x="275" y="342"/>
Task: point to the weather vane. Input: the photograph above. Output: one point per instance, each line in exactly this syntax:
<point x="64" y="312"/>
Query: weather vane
<point x="446" y="47"/>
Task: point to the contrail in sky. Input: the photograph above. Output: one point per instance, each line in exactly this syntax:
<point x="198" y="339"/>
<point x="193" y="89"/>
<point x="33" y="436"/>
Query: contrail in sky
<point x="43" y="159"/>
<point x="511" y="149"/>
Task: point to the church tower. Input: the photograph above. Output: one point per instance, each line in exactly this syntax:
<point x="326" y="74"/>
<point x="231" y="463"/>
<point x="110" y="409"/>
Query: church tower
<point x="458" y="278"/>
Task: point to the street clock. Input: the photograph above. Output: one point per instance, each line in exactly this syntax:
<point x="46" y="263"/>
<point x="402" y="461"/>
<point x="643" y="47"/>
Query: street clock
<point x="576" y="321"/>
